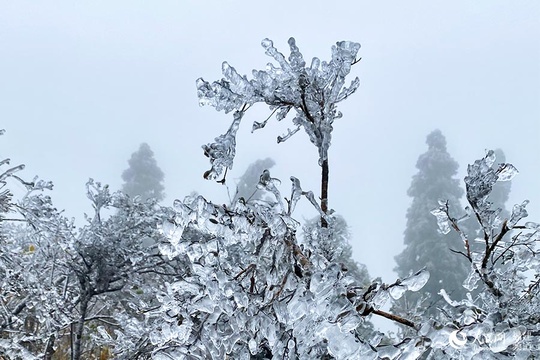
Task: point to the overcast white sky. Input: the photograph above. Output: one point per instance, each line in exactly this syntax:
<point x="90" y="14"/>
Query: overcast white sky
<point x="83" y="83"/>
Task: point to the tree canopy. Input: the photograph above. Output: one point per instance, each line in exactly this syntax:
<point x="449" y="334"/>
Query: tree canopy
<point x="143" y="177"/>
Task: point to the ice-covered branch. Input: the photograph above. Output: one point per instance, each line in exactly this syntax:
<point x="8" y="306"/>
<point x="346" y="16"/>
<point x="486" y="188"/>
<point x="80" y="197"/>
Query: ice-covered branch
<point x="501" y="319"/>
<point x="312" y="91"/>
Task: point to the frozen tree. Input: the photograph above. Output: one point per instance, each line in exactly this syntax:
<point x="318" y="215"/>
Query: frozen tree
<point x="501" y="322"/>
<point x="110" y="254"/>
<point x="246" y="187"/>
<point x="249" y="289"/>
<point x="310" y="92"/>
<point x="425" y="246"/>
<point x="251" y="292"/>
<point x="21" y="259"/>
<point x="143" y="177"/>
<point x="59" y="284"/>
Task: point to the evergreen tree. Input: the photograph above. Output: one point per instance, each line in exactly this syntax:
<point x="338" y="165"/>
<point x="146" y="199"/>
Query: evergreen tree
<point x="425" y="246"/>
<point x="143" y="177"/>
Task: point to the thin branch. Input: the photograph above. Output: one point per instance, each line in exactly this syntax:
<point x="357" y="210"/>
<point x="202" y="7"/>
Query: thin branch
<point x="245" y="271"/>
<point x="305" y="108"/>
<point x="297" y="252"/>
<point x="395" y="318"/>
<point x="271" y="114"/>
<point x="490" y="249"/>
<point x="103" y="320"/>
<point x="324" y="191"/>
<point x="460" y="253"/>
<point x="514" y="240"/>
<point x="18" y="220"/>
<point x="281" y="287"/>
<point x="456" y="227"/>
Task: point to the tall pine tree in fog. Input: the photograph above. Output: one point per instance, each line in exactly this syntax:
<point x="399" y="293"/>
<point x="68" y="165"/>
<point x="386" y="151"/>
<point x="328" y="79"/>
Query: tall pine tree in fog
<point x="425" y="246"/>
<point x="143" y="177"/>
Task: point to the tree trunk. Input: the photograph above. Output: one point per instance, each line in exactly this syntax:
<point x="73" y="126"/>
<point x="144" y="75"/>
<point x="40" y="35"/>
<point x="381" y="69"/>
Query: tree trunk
<point x="79" y="327"/>
<point x="324" y="191"/>
<point x="49" y="349"/>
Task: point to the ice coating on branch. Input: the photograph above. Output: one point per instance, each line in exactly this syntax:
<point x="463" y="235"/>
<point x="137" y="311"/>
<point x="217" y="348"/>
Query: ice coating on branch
<point x="312" y="92"/>
<point x="215" y="95"/>
<point x="506" y="172"/>
<point x="480" y="179"/>
<point x="481" y="176"/>
<point x="497" y="321"/>
<point x="239" y="265"/>
<point x="490" y="158"/>
<point x="11" y="171"/>
<point x="309" y="195"/>
<point x="416" y="281"/>
<point x="238" y="84"/>
<point x="471" y="282"/>
<point x="396" y="292"/>
<point x="412" y="283"/>
<point x="268" y="45"/>
<point x="296" y="194"/>
<point x="223" y="150"/>
<point x="501" y="341"/>
<point x="518" y="212"/>
<point x="532" y="225"/>
<point x="296" y="59"/>
<point x="38" y="184"/>
<point x="442" y="220"/>
<point x="446" y="298"/>
<point x="268" y="183"/>
<point x="288" y="135"/>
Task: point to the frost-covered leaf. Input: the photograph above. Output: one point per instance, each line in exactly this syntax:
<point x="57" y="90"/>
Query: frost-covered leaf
<point x="506" y="172"/>
<point x="416" y="281"/>
<point x="518" y="212"/>
<point x="442" y="220"/>
<point x="223" y="150"/>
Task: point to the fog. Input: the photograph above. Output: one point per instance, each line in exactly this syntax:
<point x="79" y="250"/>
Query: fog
<point x="82" y="84"/>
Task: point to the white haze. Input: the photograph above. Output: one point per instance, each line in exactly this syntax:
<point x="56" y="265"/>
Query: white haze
<point x="82" y="84"/>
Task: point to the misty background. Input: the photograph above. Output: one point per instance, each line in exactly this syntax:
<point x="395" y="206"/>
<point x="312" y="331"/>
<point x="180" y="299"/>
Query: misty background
<point x="83" y="84"/>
